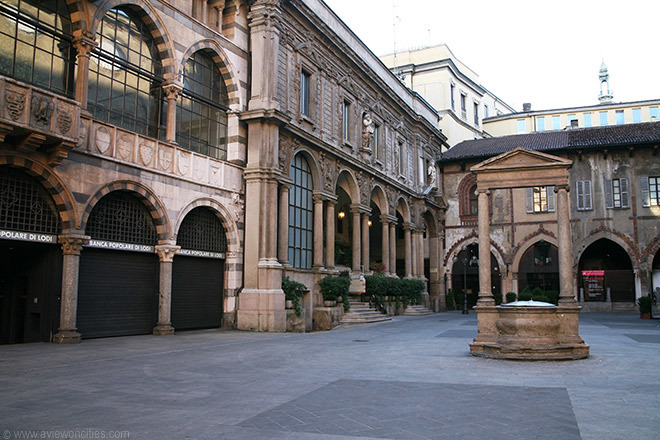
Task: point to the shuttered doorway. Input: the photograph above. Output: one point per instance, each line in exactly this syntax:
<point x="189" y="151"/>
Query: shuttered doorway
<point x="197" y="292"/>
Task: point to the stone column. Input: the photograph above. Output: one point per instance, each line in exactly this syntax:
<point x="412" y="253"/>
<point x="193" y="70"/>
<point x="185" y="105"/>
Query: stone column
<point x="317" y="257"/>
<point x="84" y="44"/>
<point x="355" y="212"/>
<point x="385" y="245"/>
<point x="565" y="248"/>
<point x="283" y="233"/>
<point x="408" y="249"/>
<point x="166" y="253"/>
<point x="71" y="247"/>
<point x="485" y="292"/>
<point x="420" y="254"/>
<point x="330" y="235"/>
<point x="414" y="246"/>
<point x="393" y="247"/>
<point x="172" y="90"/>
<point x="365" y="242"/>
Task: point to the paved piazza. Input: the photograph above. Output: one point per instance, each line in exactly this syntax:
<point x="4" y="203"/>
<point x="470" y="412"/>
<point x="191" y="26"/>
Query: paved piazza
<point x="410" y="378"/>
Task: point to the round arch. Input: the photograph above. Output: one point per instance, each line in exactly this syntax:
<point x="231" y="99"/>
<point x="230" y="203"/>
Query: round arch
<point x="233" y="242"/>
<point x="55" y="186"/>
<point x="467" y="241"/>
<point x="403" y="209"/>
<point x="606" y="272"/>
<point x="346" y="181"/>
<point x="152" y="21"/>
<point x="378" y="197"/>
<point x="145" y="195"/>
<point x="317" y="180"/>
<point x="221" y="61"/>
<point x="431" y="223"/>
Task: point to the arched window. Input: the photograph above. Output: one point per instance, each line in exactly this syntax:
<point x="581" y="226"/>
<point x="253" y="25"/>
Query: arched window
<point x="474" y="201"/>
<point x="125" y="75"/>
<point x="202" y="108"/>
<point x="300" y="214"/>
<point x="202" y="230"/>
<point x="35" y="44"/>
<point x="121" y="217"/>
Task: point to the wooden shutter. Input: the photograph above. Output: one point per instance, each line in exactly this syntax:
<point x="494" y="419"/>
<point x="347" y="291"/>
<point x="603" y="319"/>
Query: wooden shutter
<point x="579" y="193"/>
<point x="530" y="199"/>
<point x="550" y="191"/>
<point x="609" y="199"/>
<point x="646" y="199"/>
<point x="587" y="195"/>
<point x="624" y="192"/>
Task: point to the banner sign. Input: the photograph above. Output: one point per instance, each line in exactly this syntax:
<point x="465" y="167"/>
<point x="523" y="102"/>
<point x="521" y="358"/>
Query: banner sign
<point x="202" y="254"/>
<point x="28" y="236"/>
<point x="594" y="284"/>
<point x="102" y="244"/>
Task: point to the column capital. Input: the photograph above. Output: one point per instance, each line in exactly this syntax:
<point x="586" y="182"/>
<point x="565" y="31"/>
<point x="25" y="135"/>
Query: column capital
<point x="359" y="209"/>
<point x="172" y="89"/>
<point x="166" y="252"/>
<point x="483" y="191"/>
<point x="84" y="42"/>
<point x="565" y="186"/>
<point x="72" y="244"/>
<point x="386" y="218"/>
<point x="408" y="226"/>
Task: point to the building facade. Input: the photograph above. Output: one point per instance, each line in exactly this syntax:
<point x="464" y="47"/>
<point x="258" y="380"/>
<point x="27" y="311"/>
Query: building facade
<point x="614" y="213"/>
<point x="451" y="87"/>
<point x="164" y="164"/>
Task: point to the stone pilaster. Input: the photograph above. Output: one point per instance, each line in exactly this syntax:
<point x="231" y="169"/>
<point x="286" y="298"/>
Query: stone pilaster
<point x="317" y="256"/>
<point x="365" y="242"/>
<point x="71" y="248"/>
<point x="84" y="43"/>
<point x="385" y="245"/>
<point x="283" y="232"/>
<point x="407" y="239"/>
<point x="393" y="246"/>
<point x="172" y="91"/>
<point x="166" y="253"/>
<point x="485" y="292"/>
<point x="357" y="251"/>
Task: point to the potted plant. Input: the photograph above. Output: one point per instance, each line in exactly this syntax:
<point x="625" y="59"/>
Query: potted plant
<point x="293" y="293"/>
<point x="332" y="288"/>
<point x="645" y="304"/>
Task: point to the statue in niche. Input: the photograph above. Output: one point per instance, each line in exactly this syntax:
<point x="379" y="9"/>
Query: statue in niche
<point x="367" y="130"/>
<point x="432" y="175"/>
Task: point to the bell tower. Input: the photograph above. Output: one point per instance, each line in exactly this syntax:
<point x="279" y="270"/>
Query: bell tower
<point x="605" y="96"/>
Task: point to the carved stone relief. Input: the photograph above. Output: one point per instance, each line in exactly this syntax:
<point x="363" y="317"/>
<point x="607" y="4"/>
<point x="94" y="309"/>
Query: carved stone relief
<point x="125" y="147"/>
<point x="102" y="139"/>
<point x="146" y="150"/>
<point x="165" y="157"/>
<point x="42" y="110"/>
<point x="199" y="166"/>
<point x="64" y="121"/>
<point x="183" y="162"/>
<point x="15" y="103"/>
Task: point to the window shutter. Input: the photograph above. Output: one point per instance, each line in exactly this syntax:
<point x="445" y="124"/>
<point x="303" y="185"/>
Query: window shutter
<point x="646" y="199"/>
<point x="624" y="193"/>
<point x="579" y="192"/>
<point x="530" y="199"/>
<point x="609" y="199"/>
<point x="587" y="195"/>
<point x="550" y="190"/>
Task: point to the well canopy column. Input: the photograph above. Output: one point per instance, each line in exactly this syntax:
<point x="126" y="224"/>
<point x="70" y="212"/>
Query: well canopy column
<point x="565" y="248"/>
<point x="485" y="293"/>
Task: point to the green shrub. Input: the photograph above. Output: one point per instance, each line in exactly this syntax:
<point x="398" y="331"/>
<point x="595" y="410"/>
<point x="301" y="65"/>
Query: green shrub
<point x="527" y="289"/>
<point x="294" y="291"/>
<point x="511" y="297"/>
<point x="537" y="291"/>
<point x="334" y="287"/>
<point x="553" y="296"/>
<point x="460" y="298"/>
<point x="540" y="298"/>
<point x="524" y="296"/>
<point x="645" y="304"/>
<point x="498" y="298"/>
<point x="449" y="299"/>
<point x="398" y="290"/>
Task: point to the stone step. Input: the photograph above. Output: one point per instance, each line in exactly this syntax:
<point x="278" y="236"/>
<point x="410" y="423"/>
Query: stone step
<point x="417" y="310"/>
<point x="361" y="313"/>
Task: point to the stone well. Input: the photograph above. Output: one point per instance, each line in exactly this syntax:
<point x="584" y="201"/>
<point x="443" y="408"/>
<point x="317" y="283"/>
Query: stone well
<point x="529" y="331"/>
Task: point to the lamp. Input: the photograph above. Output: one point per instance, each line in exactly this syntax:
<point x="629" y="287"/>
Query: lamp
<point x="369" y="223"/>
<point x="341" y="214"/>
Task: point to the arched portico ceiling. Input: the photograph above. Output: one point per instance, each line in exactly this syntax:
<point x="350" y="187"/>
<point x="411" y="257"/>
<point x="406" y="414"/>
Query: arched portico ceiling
<point x="403" y="209"/>
<point x="431" y="223"/>
<point x="378" y="197"/>
<point x="348" y="183"/>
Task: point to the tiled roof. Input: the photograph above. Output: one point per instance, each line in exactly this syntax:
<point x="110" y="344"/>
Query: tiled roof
<point x="549" y="141"/>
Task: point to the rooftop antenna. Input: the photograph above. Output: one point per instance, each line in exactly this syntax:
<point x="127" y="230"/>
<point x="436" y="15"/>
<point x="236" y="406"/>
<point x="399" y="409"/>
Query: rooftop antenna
<point x="395" y="20"/>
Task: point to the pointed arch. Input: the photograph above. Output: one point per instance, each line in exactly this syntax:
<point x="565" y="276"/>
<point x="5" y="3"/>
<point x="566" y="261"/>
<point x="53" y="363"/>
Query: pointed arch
<point x="64" y="201"/>
<point x="530" y="242"/>
<point x="617" y="237"/>
<point x="155" y="207"/>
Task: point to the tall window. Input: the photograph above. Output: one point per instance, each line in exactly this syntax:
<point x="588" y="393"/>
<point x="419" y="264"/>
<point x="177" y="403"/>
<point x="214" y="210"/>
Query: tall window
<point x="572" y="121"/>
<point x="521" y="126"/>
<point x="125" y="75"/>
<point x="463" y="106"/>
<point x="583" y="195"/>
<point x="616" y="193"/>
<point x="619" y="117"/>
<point x="653" y="114"/>
<point x="540" y="123"/>
<point x="603" y="119"/>
<point x="300" y="214"/>
<point x="305" y="80"/>
<point x="587" y="120"/>
<point x="202" y="108"/>
<point x="379" y="148"/>
<point x="401" y="153"/>
<point x="346" y="121"/>
<point x="476" y="114"/>
<point x="485" y="111"/>
<point x="474" y="201"/>
<point x="453" y="102"/>
<point x="540" y="199"/>
<point x="556" y="122"/>
<point x="35" y="44"/>
<point x="637" y="115"/>
<point x="650" y="191"/>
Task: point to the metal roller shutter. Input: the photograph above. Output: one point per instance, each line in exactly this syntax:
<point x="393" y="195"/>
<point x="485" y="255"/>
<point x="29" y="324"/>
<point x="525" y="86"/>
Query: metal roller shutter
<point x="117" y="293"/>
<point x="197" y="285"/>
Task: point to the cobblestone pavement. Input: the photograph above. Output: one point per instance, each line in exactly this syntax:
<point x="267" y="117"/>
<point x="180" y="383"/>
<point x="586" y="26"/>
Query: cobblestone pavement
<point x="409" y="378"/>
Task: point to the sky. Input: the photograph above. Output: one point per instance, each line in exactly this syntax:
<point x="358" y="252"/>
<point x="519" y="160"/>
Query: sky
<point x="545" y="53"/>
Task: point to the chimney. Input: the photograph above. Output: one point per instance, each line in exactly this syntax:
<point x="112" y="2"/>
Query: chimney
<point x="527" y="107"/>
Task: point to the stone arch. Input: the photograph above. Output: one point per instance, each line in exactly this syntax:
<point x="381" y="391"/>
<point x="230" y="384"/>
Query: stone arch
<point x="379" y="198"/>
<point x="524" y="247"/>
<point x="403" y="209"/>
<point x="223" y="214"/>
<point x="614" y="236"/>
<point x="313" y="166"/>
<point x="220" y="59"/>
<point x="151" y="19"/>
<point x="431" y="223"/>
<point x="651" y="250"/>
<point x="55" y="186"/>
<point x="456" y="248"/>
<point x="145" y="195"/>
<point x="463" y="191"/>
<point x="347" y="181"/>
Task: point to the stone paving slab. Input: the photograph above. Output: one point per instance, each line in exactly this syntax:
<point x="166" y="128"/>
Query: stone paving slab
<point x="418" y="410"/>
<point x="469" y="334"/>
<point x="649" y="339"/>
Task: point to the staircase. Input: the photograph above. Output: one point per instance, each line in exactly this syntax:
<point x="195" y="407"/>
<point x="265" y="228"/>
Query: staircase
<point x="417" y="310"/>
<point x="361" y="313"/>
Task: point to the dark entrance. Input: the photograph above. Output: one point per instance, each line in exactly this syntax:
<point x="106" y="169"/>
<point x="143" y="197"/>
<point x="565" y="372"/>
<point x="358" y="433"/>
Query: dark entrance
<point x="605" y="271"/>
<point x="30" y="270"/>
<point x="539" y="267"/>
<point x="197" y="274"/>
<point x="118" y="289"/>
<point x="465" y="275"/>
